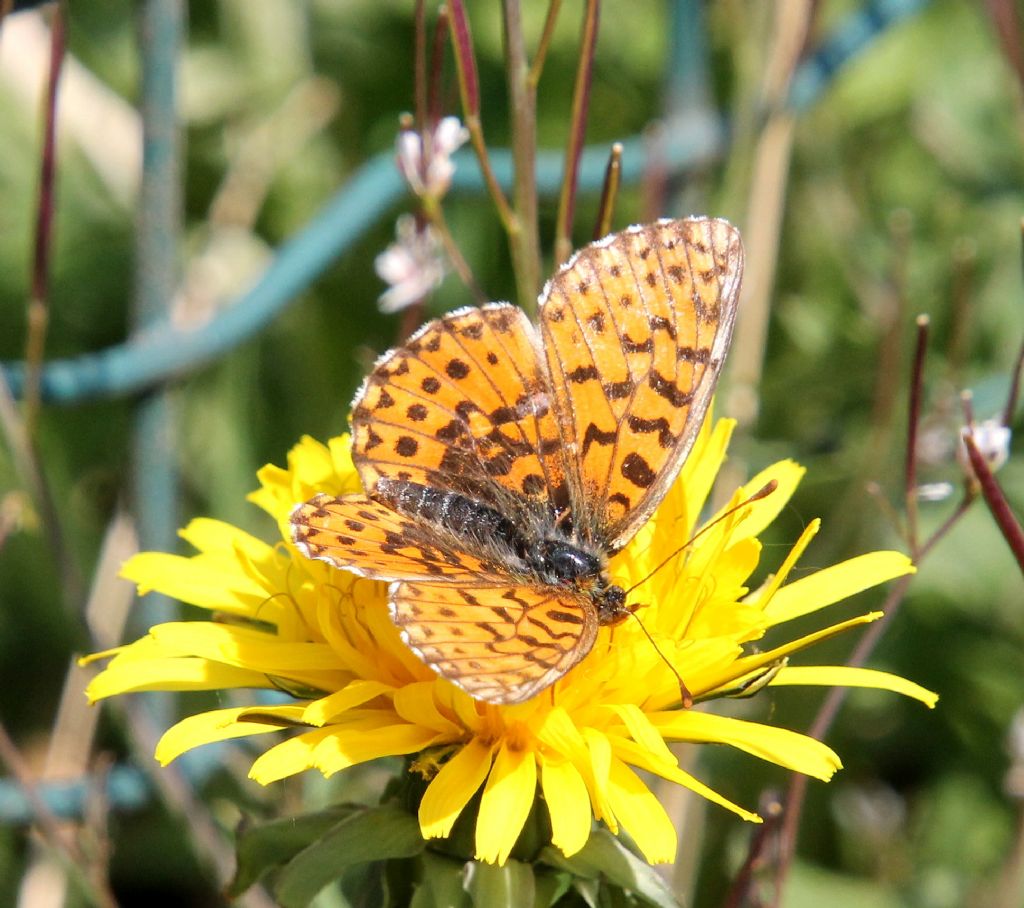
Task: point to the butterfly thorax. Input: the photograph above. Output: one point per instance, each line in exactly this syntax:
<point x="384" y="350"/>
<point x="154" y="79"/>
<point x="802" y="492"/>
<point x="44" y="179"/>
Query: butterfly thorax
<point x="563" y="563"/>
<point x="540" y="551"/>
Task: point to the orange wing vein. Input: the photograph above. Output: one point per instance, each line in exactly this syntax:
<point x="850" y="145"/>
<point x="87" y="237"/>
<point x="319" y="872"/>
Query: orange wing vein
<point x="499" y="644"/>
<point x="635" y="329"/>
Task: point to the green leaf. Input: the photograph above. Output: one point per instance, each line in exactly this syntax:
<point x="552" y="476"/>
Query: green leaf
<point x="442" y="883"/>
<point x="605" y="857"/>
<point x="266" y="846"/>
<point x="508" y="886"/>
<point x="374" y="834"/>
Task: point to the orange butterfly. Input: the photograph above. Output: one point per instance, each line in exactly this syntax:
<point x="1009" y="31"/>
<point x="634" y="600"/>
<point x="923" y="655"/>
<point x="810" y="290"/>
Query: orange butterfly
<point x="505" y="463"/>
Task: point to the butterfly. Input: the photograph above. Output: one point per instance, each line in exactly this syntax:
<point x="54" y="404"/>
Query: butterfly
<point x="505" y="463"/>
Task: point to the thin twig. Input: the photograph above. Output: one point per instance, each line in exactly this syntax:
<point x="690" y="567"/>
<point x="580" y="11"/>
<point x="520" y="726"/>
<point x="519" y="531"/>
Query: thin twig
<point x="1008" y="29"/>
<point x="524" y="240"/>
<point x="469" y="92"/>
<point x="435" y="81"/>
<point x="39" y="303"/>
<point x="1008" y="524"/>
<point x="1011" y="398"/>
<point x="65" y="846"/>
<point x="33" y="479"/>
<point x="964" y="263"/>
<point x="434" y="213"/>
<point x="179" y="797"/>
<point x="913" y="421"/>
<point x="609" y="192"/>
<point x="545" y="42"/>
<point x="577" y="131"/>
<point x="419" y="65"/>
<point x="826" y="715"/>
<point x="760" y="842"/>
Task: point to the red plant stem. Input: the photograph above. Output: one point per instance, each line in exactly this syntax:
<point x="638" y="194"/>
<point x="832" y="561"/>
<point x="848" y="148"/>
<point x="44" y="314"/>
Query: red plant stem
<point x="913" y="420"/>
<point x="524" y="239"/>
<point x="469" y="92"/>
<point x="419" y="65"/>
<point x="577" y="132"/>
<point x="1008" y="524"/>
<point x="38" y="304"/>
<point x="434" y="79"/>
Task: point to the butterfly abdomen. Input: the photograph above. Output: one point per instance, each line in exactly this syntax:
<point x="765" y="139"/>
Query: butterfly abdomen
<point x="462" y="516"/>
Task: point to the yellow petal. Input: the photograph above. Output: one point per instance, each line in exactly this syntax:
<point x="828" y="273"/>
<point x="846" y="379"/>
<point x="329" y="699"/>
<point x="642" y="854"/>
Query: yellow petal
<point x="568" y="804"/>
<point x="415" y="703"/>
<point x="746" y="665"/>
<point x="244" y="647"/>
<point x="630" y="752"/>
<point x="644" y="733"/>
<point x="845" y="676"/>
<point x="207" y="581"/>
<point x="506" y="803"/>
<point x="450" y="790"/>
<point x="349" y="746"/>
<point x="216" y="536"/>
<point x="217" y="725"/>
<point x="289" y="757"/>
<point x="835" y="583"/>
<point x="777" y="745"/>
<point x="760" y="514"/>
<point x="765" y="594"/>
<point x="641" y="815"/>
<point x="599" y="765"/>
<point x="356" y="693"/>
<point x="171" y="674"/>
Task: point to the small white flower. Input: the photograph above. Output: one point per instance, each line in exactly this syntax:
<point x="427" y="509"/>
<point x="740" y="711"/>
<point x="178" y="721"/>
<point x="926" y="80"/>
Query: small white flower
<point x="428" y="171"/>
<point x="992" y="439"/>
<point x="412" y="266"/>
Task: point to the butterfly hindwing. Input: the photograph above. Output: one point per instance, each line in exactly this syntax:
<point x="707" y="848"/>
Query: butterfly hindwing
<point x="502" y="644"/>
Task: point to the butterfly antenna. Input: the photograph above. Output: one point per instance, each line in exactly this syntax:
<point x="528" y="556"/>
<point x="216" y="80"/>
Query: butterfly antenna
<point x="684" y="691"/>
<point x="763" y="492"/>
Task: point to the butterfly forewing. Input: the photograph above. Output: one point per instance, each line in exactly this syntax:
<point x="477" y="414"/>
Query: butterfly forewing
<point x="464" y="406"/>
<point x="500" y="644"/>
<point x="635" y="329"/>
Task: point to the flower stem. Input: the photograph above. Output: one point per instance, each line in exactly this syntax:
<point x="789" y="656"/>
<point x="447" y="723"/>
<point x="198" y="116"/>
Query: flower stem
<point x="434" y="213"/>
<point x="469" y="92"/>
<point x="545" y="42"/>
<point x="577" y="131"/>
<point x="38" y="304"/>
<point x="524" y="240"/>
<point x="913" y="421"/>
<point x="1009" y="526"/>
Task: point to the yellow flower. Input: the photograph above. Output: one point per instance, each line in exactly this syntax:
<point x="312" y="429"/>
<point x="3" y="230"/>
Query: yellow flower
<point x="324" y="637"/>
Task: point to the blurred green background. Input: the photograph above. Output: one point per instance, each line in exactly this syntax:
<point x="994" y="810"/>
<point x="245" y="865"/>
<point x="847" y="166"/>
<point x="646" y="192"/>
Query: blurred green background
<point x="901" y="193"/>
